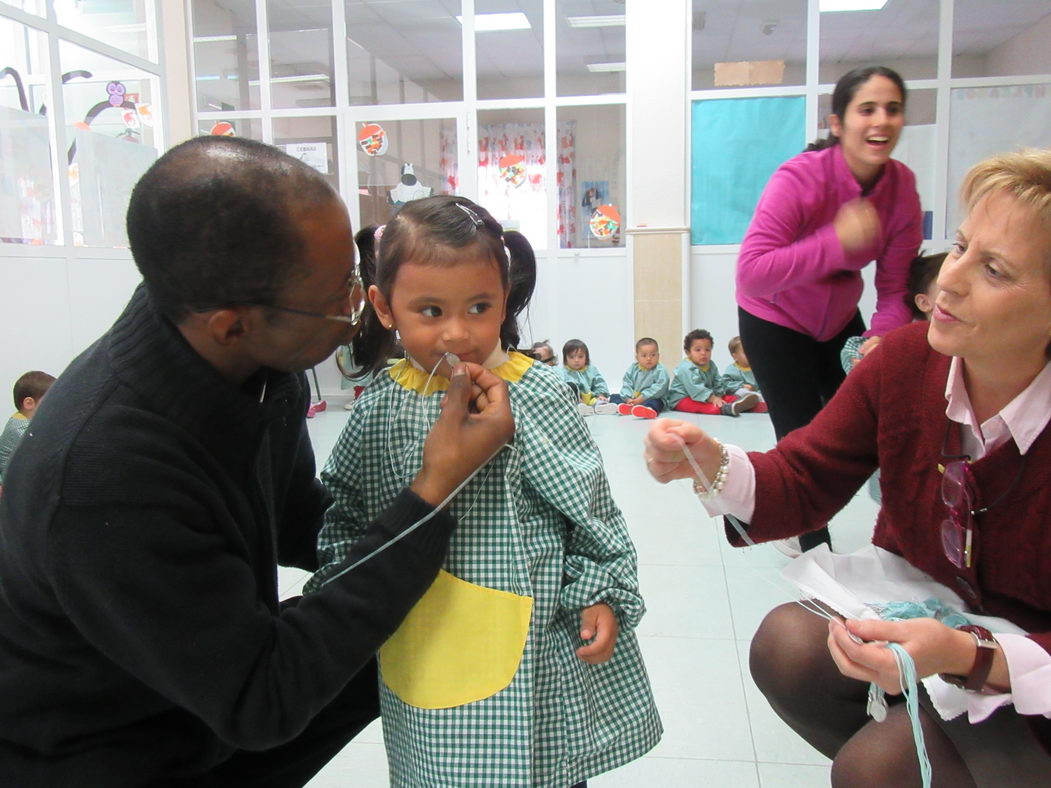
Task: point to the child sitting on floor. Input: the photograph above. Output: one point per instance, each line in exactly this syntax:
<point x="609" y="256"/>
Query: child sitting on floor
<point x="740" y="377"/>
<point x="645" y="383"/>
<point x="699" y="388"/>
<point x="585" y="379"/>
<point x="29" y="390"/>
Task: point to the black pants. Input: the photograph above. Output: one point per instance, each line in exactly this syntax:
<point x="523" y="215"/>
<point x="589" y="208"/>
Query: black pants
<point x="797" y="375"/>
<point x="294" y="763"/>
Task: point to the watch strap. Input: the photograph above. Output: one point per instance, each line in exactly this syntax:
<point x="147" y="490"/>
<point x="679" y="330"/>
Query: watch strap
<point x="985" y="648"/>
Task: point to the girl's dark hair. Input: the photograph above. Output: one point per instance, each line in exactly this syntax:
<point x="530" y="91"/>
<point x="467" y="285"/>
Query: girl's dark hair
<point x="922" y="271"/>
<point x="572" y="346"/>
<point x="844" y="93"/>
<point x="436" y="231"/>
<point x="693" y="336"/>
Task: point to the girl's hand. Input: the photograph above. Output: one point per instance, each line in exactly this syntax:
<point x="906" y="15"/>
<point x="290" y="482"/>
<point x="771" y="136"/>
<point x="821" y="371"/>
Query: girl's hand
<point x="869" y="345"/>
<point x="716" y="401"/>
<point x="934" y="647"/>
<point x="598" y="622"/>
<point x="635" y="401"/>
<point x="857" y="225"/>
<point x="664" y="454"/>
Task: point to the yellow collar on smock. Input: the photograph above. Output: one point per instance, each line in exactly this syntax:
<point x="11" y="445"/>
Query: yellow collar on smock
<point x="411" y="377"/>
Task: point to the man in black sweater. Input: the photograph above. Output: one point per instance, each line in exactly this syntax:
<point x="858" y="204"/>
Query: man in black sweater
<point x="169" y="472"/>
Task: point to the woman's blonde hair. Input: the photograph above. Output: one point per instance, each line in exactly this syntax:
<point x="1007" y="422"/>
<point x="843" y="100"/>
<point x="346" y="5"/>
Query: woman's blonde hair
<point x="1025" y="175"/>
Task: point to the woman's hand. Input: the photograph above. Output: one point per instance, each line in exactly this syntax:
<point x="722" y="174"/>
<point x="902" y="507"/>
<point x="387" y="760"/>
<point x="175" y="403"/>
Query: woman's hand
<point x="934" y="647"/>
<point x="857" y="225"/>
<point x="869" y="345"/>
<point x="664" y="455"/>
<point x="461" y="441"/>
<point x="598" y="622"/>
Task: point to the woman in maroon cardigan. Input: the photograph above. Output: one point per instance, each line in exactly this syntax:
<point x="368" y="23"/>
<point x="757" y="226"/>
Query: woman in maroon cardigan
<point x="955" y="414"/>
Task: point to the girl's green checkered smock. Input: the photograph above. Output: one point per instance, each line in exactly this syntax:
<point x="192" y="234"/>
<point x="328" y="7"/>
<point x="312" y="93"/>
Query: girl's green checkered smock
<point x="537" y="521"/>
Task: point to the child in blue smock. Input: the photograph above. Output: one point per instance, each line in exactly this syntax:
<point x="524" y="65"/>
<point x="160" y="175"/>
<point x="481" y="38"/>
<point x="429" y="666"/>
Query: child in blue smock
<point x="739" y="377"/>
<point x="585" y="379"/>
<point x="645" y="383"/>
<point x="699" y="388"/>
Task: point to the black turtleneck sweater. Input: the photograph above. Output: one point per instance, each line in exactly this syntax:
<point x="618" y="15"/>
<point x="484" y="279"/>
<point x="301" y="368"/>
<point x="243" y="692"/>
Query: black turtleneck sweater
<point x="141" y="524"/>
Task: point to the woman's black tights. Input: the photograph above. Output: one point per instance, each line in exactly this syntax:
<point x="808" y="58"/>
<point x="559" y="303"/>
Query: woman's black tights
<point x="791" y="665"/>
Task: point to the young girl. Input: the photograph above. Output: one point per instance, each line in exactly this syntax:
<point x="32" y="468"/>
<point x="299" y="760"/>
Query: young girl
<point x="585" y="379"/>
<point x="505" y="672"/>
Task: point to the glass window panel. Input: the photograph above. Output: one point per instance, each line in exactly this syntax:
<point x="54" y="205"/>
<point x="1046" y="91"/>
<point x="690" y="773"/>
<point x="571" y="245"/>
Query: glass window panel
<point x="986" y="121"/>
<point x="300" y="54"/>
<point x="226" y="54"/>
<point x="312" y="140"/>
<point x="110" y="129"/>
<point x="590" y="47"/>
<point x="404" y="53"/>
<point x="409" y="159"/>
<point x="740" y="43"/>
<point x="736" y="146"/>
<point x="233" y="127"/>
<point x="27" y="190"/>
<point x="29" y="6"/>
<point x="511" y="161"/>
<point x="510" y="63"/>
<point x="119" y="23"/>
<point x="903" y="35"/>
<point x="591" y="176"/>
<point x="1007" y="40"/>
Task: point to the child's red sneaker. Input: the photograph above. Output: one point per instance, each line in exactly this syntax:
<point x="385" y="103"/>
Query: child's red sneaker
<point x="642" y="412"/>
<point x="625" y="409"/>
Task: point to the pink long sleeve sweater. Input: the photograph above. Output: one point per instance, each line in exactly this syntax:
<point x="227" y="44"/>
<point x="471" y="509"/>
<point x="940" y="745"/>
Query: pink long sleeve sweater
<point x="792" y="270"/>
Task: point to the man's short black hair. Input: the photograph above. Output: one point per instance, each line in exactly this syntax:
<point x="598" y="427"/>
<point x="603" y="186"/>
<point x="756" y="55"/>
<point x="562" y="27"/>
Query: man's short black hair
<point x="215" y="222"/>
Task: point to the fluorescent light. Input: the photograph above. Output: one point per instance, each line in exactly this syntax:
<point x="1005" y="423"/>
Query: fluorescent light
<point x="489" y="22"/>
<point x="851" y="5"/>
<point x="610" y="20"/>
<point x="595" y="67"/>
<point x="210" y="39"/>
<point x="207" y="78"/>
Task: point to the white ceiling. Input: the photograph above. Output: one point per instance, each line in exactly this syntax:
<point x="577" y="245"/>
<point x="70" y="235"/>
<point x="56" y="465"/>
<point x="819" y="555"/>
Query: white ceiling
<point x="421" y="38"/>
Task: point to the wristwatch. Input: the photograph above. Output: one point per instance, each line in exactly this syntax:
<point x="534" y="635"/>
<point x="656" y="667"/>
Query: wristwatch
<point x="983" y="659"/>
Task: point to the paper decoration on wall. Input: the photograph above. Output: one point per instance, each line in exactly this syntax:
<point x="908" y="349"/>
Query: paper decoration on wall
<point x="116" y="91"/>
<point x="145" y="114"/>
<point x="512" y="169"/>
<point x="373" y="139"/>
<point x="223" y="128"/>
<point x="409" y="188"/>
<point x="130" y="118"/>
<point x="605" y="221"/>
<point x="313" y="153"/>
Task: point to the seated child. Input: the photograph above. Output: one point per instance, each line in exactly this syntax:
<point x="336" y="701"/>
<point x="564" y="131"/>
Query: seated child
<point x="542" y="352"/>
<point x="29" y="390"/>
<point x="699" y="388"/>
<point x="921" y="290"/>
<point x="739" y="375"/>
<point x="585" y="379"/>
<point x="520" y="665"/>
<point x="645" y="383"/>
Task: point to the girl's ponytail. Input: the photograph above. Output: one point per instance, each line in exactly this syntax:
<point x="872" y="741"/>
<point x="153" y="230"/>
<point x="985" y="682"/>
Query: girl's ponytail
<point x="521" y="283"/>
<point x="373" y="344"/>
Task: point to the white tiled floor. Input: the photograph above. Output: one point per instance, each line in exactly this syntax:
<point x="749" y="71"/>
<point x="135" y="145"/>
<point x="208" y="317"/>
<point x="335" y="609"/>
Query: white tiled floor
<point x="705" y="600"/>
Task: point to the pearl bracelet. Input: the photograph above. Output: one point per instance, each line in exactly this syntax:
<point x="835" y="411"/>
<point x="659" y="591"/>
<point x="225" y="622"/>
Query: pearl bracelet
<point x="720" y="476"/>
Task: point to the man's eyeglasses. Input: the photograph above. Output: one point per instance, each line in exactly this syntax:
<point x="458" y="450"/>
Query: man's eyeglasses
<point x="355" y="306"/>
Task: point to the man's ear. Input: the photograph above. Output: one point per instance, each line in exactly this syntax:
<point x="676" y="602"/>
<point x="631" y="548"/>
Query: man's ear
<point x="228" y="326"/>
<point x="383" y="310"/>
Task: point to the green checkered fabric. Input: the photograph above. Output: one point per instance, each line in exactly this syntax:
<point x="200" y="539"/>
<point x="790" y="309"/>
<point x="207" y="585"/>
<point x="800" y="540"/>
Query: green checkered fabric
<point x="537" y="521"/>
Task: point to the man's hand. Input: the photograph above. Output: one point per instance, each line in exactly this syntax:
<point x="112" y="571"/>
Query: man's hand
<point x="598" y="622"/>
<point x="461" y="440"/>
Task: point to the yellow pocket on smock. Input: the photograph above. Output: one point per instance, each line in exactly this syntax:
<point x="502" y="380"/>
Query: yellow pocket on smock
<point x="461" y="643"/>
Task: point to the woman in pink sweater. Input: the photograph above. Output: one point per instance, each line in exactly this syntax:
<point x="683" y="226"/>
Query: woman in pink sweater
<point x="825" y="215"/>
<point x="956" y="413"/>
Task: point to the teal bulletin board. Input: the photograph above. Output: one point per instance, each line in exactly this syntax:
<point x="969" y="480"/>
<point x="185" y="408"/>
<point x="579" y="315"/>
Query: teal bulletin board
<point x="736" y="146"/>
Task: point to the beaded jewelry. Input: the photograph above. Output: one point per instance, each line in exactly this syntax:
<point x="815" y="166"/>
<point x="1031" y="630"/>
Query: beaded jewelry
<point x="720" y="475"/>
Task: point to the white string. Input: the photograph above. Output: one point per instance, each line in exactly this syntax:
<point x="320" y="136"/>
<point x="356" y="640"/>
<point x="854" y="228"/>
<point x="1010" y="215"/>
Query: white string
<point x="708" y="486"/>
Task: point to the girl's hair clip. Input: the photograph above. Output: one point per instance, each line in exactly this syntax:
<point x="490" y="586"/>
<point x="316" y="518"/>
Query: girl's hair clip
<point x="473" y="216"/>
<point x="377" y="235"/>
